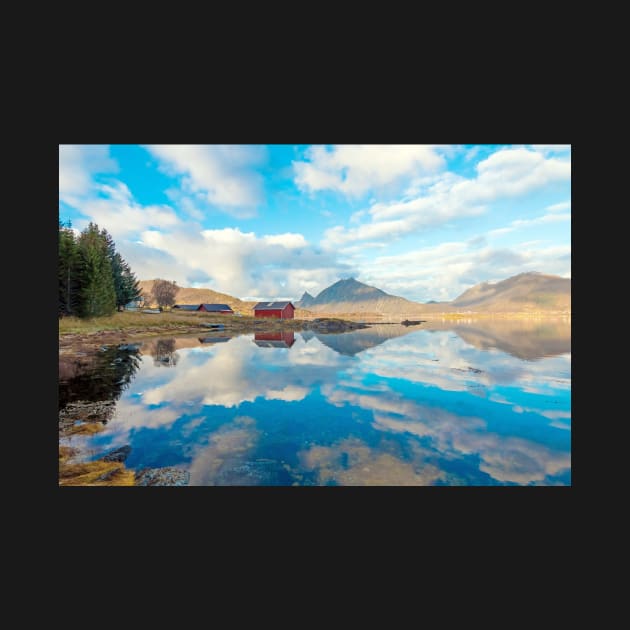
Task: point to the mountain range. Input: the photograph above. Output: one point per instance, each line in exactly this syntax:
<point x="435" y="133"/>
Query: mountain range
<point x="525" y="292"/>
<point x="531" y="292"/>
<point x="352" y="296"/>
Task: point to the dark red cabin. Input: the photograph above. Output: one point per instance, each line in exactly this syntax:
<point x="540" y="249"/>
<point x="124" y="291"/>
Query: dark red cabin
<point x="279" y="310"/>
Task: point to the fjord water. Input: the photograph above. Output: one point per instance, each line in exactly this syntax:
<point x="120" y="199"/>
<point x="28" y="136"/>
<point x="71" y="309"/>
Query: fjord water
<point x="479" y="403"/>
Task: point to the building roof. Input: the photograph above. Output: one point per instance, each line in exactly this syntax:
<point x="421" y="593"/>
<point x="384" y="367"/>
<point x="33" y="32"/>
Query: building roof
<point x="215" y="307"/>
<point x="273" y="343"/>
<point x="187" y="307"/>
<point x="271" y="306"/>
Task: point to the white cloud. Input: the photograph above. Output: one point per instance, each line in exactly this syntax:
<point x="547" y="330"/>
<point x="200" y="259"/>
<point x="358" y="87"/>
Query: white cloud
<point x="239" y="263"/>
<point x="510" y="172"/>
<point x="288" y="240"/>
<point x="557" y="207"/>
<point x="444" y="271"/>
<point x="224" y="175"/>
<point x="355" y="169"/>
<point x="121" y="215"/>
<point x="77" y="166"/>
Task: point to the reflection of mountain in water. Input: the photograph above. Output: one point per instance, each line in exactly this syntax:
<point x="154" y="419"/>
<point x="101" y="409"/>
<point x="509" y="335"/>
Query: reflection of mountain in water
<point x="351" y="343"/>
<point x="525" y="339"/>
<point x="307" y="335"/>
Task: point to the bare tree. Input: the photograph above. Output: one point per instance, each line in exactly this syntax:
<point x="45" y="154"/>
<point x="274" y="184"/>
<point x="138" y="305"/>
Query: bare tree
<point x="164" y="292"/>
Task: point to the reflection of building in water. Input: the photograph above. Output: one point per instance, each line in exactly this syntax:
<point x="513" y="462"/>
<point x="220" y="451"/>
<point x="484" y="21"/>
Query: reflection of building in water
<point x="164" y="353"/>
<point x="280" y="339"/>
<point x="213" y="339"/>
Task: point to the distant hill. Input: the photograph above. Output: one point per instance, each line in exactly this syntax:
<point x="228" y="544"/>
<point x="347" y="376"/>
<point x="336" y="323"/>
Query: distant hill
<point x="351" y="296"/>
<point x="207" y="296"/>
<point x="530" y="291"/>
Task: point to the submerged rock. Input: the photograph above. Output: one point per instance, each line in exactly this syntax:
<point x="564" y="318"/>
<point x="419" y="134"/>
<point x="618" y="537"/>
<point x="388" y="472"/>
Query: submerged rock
<point x="260" y="472"/>
<point x="166" y="476"/>
<point x="76" y="413"/>
<point x="118" y="455"/>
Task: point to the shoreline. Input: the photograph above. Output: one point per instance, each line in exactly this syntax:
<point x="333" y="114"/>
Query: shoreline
<point x="83" y="342"/>
<point x="79" y="338"/>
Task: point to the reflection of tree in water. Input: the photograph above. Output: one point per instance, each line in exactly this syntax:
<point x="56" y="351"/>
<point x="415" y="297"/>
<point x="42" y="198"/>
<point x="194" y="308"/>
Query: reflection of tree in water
<point x="103" y="381"/>
<point x="164" y="353"/>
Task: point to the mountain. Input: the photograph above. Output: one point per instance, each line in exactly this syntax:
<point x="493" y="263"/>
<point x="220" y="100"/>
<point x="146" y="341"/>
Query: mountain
<point x="351" y="296"/>
<point x="206" y="296"/>
<point x="530" y="291"/>
<point x="305" y="301"/>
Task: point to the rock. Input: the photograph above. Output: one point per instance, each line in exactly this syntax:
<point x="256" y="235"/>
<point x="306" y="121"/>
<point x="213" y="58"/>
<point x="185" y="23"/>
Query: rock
<point x="118" y="455"/>
<point x="108" y="475"/>
<point x="326" y="325"/>
<point x="166" y="476"/>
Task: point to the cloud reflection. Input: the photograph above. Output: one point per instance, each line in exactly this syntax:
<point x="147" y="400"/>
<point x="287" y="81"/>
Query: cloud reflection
<point x="351" y="462"/>
<point x="225" y="449"/>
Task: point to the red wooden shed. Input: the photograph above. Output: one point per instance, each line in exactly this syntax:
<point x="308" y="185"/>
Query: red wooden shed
<point x="279" y="310"/>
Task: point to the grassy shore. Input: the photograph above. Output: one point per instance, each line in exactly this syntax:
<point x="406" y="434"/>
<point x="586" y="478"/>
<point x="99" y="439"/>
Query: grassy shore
<point x="166" y="321"/>
<point x="84" y="335"/>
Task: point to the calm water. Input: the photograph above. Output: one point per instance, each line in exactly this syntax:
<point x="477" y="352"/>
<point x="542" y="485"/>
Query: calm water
<point x="475" y="404"/>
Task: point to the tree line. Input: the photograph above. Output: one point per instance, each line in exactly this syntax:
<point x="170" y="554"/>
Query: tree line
<point x="94" y="279"/>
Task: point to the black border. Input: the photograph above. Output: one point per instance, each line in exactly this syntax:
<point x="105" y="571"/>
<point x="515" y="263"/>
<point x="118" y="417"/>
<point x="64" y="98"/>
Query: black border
<point x="456" y="517"/>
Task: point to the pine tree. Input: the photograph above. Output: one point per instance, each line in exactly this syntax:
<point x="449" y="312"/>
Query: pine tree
<point x="130" y="285"/>
<point x="125" y="284"/>
<point x="97" y="292"/>
<point x="67" y="271"/>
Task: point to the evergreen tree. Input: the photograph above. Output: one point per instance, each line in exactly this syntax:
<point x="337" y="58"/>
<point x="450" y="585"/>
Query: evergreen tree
<point x="67" y="271"/>
<point x="97" y="292"/>
<point x="125" y="284"/>
<point x="130" y="289"/>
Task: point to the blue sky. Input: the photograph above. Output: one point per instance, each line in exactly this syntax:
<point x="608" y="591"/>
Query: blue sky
<point x="425" y="222"/>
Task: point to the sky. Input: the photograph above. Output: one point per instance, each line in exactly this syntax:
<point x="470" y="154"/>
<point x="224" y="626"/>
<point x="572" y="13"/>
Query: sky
<point x="262" y="222"/>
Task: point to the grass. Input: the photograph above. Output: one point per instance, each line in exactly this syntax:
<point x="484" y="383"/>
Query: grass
<point x="140" y="322"/>
<point x="86" y="428"/>
<point x="97" y="473"/>
<point x="124" y="321"/>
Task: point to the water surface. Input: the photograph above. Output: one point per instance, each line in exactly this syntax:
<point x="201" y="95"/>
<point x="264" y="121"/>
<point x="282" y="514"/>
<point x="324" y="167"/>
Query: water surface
<point x="478" y="403"/>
